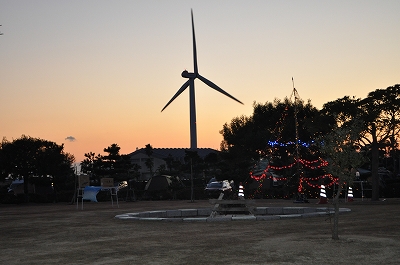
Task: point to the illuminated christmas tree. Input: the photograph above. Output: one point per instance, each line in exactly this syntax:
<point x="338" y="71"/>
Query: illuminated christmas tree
<point x="291" y="165"/>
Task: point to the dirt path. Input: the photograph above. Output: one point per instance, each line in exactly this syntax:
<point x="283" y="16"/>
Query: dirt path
<point x="61" y="234"/>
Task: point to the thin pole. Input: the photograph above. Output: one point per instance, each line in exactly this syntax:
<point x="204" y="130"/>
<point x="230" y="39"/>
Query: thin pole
<point x="296" y="123"/>
<point x="191" y="180"/>
<point x="301" y="187"/>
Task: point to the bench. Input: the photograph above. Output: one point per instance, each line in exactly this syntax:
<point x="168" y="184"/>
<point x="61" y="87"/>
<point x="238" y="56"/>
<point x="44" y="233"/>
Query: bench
<point x="231" y="207"/>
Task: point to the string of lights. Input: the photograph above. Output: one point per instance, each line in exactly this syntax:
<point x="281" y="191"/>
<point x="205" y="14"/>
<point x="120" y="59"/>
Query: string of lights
<point x="278" y="145"/>
<point x="299" y="142"/>
<point x="310" y="181"/>
<point x="306" y="163"/>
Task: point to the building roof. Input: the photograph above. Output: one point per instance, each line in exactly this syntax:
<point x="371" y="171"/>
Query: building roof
<point x="177" y="153"/>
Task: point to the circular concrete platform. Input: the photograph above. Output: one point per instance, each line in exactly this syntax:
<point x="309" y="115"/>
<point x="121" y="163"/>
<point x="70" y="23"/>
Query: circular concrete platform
<point x="203" y="214"/>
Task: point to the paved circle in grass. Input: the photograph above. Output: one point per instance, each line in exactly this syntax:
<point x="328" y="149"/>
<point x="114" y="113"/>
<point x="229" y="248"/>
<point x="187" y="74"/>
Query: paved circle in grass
<point x="203" y="214"/>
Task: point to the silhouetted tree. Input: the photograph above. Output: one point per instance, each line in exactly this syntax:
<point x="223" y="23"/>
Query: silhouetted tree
<point x="247" y="139"/>
<point x="91" y="165"/>
<point x="111" y="161"/>
<point x="149" y="161"/>
<point x="113" y="164"/>
<point x="380" y="115"/>
<point x="169" y="161"/>
<point x="343" y="154"/>
<point x="29" y="157"/>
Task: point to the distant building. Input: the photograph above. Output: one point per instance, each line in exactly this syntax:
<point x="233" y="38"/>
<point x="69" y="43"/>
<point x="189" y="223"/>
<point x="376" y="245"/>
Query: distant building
<point x="159" y="155"/>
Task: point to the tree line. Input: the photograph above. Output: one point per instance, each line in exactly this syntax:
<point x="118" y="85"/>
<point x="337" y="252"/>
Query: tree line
<point x="246" y="140"/>
<point x="113" y="164"/>
<point x="36" y="161"/>
<point x="120" y="167"/>
<point x="376" y="119"/>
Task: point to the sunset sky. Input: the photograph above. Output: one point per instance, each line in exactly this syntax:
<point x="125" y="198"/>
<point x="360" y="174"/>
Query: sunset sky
<point x="92" y="73"/>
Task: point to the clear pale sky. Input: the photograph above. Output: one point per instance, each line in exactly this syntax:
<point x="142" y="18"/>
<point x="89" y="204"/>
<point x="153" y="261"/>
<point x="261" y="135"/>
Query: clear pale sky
<point x="99" y="72"/>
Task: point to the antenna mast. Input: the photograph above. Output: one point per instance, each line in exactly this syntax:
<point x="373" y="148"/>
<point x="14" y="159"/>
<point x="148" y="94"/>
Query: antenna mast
<point x="300" y="189"/>
<point x="295" y="94"/>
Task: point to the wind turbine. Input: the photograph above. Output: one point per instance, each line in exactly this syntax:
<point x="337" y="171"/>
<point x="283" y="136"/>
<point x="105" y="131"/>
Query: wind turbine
<point x="190" y="83"/>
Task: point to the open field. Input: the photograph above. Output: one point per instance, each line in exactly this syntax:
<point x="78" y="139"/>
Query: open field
<point x="61" y="234"/>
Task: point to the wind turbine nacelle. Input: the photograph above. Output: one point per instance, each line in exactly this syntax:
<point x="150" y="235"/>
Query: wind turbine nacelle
<point x="186" y="74"/>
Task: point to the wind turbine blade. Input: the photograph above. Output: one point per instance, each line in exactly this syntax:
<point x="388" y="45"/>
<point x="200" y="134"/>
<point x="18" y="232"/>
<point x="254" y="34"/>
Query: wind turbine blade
<point x="194" y="47"/>
<point x="214" y="86"/>
<point x="183" y="87"/>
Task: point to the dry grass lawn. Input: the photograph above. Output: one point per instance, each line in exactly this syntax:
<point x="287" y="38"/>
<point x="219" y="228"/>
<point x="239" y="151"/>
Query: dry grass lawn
<point x="61" y="234"/>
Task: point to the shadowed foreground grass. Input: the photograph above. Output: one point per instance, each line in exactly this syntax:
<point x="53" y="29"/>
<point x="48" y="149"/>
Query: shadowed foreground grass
<point x="61" y="234"/>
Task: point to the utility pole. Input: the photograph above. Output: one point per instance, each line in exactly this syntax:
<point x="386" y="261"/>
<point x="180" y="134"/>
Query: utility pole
<point x="296" y="96"/>
<point x="300" y="189"/>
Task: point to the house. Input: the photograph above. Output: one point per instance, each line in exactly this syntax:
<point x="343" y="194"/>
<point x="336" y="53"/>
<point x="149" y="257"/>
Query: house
<point x="159" y="155"/>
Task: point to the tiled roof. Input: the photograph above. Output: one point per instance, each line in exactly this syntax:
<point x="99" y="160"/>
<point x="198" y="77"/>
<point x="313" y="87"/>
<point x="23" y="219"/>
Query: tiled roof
<point x="175" y="152"/>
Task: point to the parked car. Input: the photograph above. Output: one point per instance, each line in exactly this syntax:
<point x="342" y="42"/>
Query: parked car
<point x="215" y="188"/>
<point x="218" y="186"/>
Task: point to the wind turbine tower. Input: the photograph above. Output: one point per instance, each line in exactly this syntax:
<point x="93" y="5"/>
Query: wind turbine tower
<point x="190" y="83"/>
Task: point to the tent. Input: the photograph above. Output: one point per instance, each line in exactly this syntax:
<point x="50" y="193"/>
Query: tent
<point x="159" y="187"/>
<point x="158" y="183"/>
<point x="17" y="187"/>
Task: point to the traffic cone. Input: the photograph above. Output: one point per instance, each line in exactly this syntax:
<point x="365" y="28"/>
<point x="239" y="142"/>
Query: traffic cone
<point x="350" y="195"/>
<point x="241" y="191"/>
<point x="322" y="196"/>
